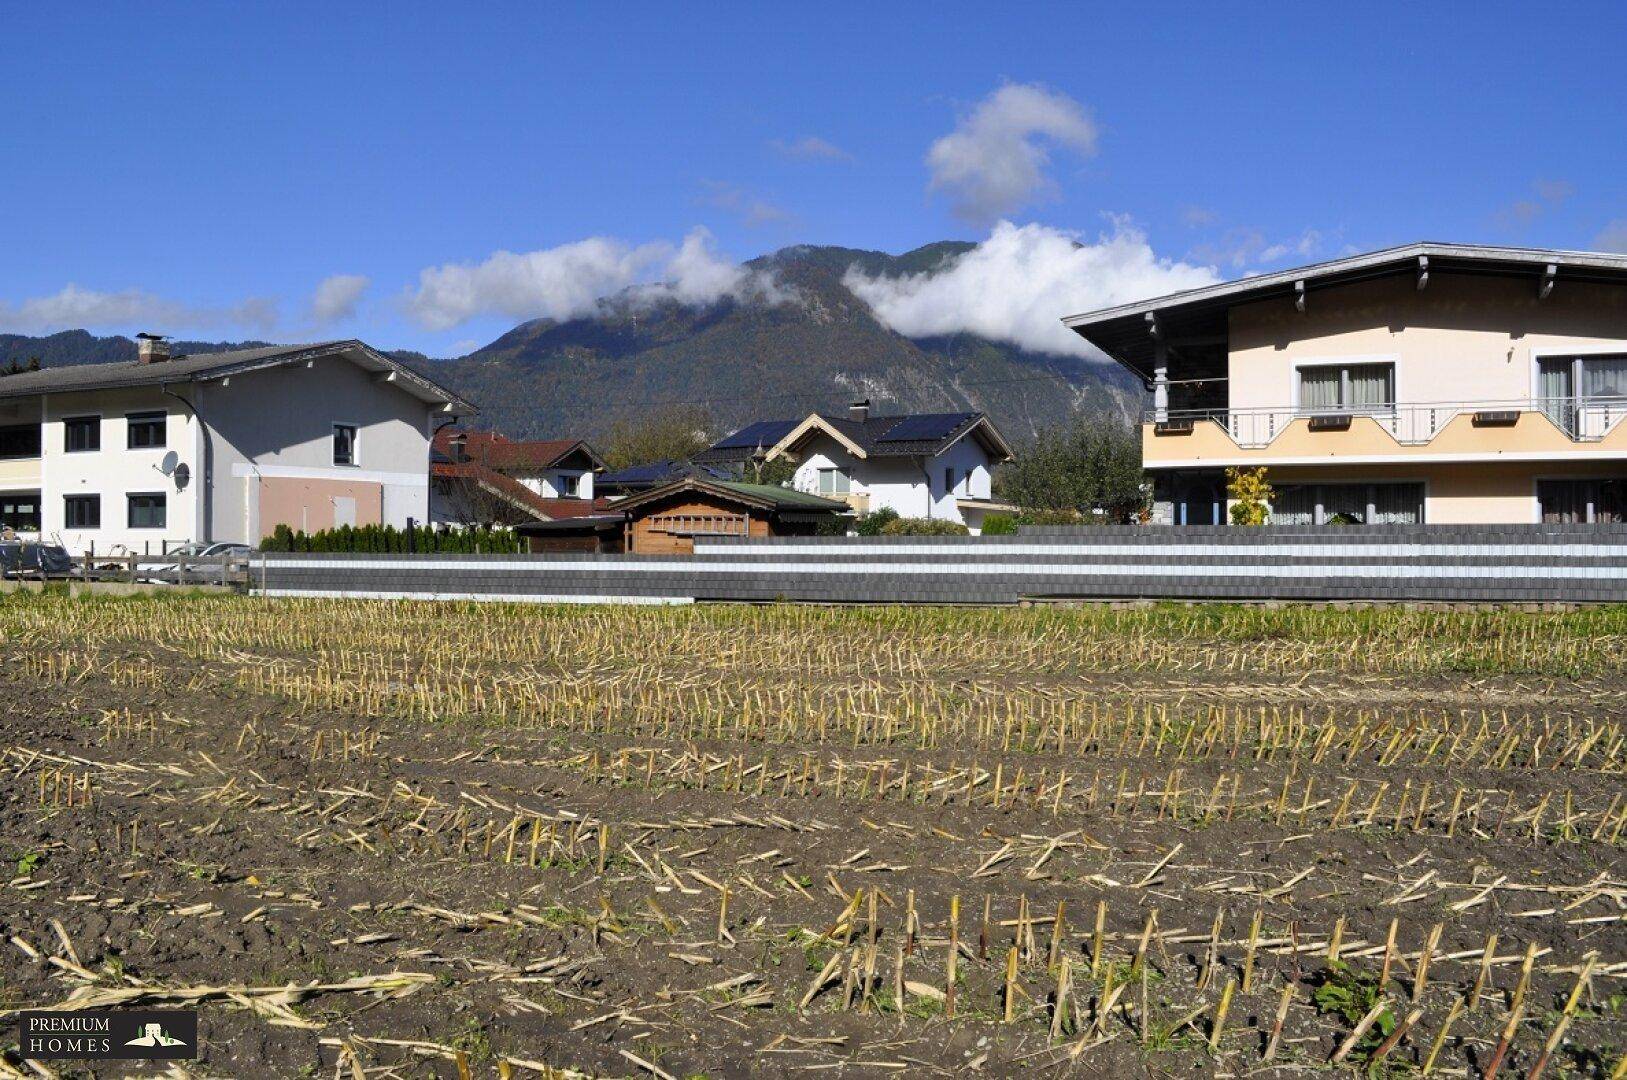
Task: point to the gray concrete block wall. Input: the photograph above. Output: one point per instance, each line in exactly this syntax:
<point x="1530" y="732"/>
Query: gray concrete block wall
<point x="1392" y="563"/>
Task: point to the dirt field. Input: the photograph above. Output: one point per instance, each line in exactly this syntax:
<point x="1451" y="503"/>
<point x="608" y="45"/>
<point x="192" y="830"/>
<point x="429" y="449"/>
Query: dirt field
<point x="373" y="839"/>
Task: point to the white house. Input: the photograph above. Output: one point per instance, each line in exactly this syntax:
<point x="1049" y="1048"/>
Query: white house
<point x="217" y="446"/>
<point x="925" y="465"/>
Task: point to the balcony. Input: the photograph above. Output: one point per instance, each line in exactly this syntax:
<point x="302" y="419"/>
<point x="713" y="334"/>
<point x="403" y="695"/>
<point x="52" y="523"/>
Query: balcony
<point x="1529" y="427"/>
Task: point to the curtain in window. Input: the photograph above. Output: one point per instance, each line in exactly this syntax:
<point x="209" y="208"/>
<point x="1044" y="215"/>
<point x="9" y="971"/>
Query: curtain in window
<point x="1370" y="385"/>
<point x="1610" y="506"/>
<point x="1319" y="388"/>
<point x="1294" y="505"/>
<point x="1564" y="502"/>
<point x="1605" y="376"/>
<point x="1344" y="504"/>
<point x="1398" y="504"/>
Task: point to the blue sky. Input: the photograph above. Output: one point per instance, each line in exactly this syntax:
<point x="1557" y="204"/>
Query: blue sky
<point x="293" y="170"/>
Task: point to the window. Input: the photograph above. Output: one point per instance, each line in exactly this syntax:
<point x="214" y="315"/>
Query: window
<point x="146" y="430"/>
<point x="20" y="511"/>
<point x="834" y="482"/>
<point x="148" y="511"/>
<point x="344" y="444"/>
<point x="948" y="479"/>
<point x="81" y="434"/>
<point x="20" y="441"/>
<point x="1582" y="502"/>
<point x="1348" y="504"/>
<point x="1346" y="387"/>
<point x="82" y="511"/>
<point x="569" y="485"/>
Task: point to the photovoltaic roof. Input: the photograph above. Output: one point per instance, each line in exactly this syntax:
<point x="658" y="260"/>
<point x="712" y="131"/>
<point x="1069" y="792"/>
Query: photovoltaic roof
<point x="925" y="426"/>
<point x="764" y="433"/>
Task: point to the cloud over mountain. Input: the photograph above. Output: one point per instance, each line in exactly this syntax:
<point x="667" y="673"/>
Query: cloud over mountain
<point x="1016" y="285"/>
<point x="570" y="280"/>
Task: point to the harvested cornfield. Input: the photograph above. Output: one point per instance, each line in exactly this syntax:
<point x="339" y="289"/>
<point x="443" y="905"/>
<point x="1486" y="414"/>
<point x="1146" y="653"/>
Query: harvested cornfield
<point x="370" y="839"/>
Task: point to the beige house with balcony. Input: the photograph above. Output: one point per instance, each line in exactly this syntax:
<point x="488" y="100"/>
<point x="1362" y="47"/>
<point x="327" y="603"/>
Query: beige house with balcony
<point x="1431" y="383"/>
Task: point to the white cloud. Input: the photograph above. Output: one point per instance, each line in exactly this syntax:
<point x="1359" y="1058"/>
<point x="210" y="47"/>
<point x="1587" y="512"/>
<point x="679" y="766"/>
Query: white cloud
<point x="1016" y="286"/>
<point x="1554" y="191"/>
<point x="751" y="210"/>
<point x="994" y="162"/>
<point x="1197" y="217"/>
<point x="1243" y="247"/>
<point x="570" y="280"/>
<point x="1613" y="237"/>
<point x="810" y="148"/>
<point x="74" y="307"/>
<point x="337" y="296"/>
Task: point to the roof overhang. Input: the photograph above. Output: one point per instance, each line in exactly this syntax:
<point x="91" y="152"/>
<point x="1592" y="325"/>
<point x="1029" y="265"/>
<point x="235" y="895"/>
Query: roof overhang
<point x="813" y="425"/>
<point x="989" y="435"/>
<point x="384" y="369"/>
<point x="1133" y="334"/>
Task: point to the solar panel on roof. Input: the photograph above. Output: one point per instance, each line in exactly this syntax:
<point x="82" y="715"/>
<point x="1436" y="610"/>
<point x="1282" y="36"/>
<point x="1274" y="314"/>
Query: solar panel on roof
<point x="925" y="426"/>
<point x="763" y="433"/>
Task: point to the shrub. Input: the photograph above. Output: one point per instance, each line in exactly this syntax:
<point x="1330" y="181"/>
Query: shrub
<point x="872" y="523"/>
<point x="1250" y="493"/>
<point x="1000" y="525"/>
<point x="922" y="527"/>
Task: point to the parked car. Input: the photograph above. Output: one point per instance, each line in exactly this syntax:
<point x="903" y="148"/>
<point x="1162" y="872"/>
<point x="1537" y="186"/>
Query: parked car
<point x="212" y="573"/>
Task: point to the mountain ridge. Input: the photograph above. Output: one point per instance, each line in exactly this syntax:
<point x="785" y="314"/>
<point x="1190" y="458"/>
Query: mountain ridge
<point x="737" y="360"/>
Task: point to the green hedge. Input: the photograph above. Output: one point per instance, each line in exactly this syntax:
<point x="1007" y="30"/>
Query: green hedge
<point x="387" y="540"/>
<point x="922" y="527"/>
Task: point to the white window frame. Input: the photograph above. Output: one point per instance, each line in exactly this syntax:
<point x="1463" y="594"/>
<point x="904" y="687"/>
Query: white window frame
<point x="355" y="445"/>
<point x="1392" y="359"/>
<point x="1536" y="488"/>
<point x="835" y="472"/>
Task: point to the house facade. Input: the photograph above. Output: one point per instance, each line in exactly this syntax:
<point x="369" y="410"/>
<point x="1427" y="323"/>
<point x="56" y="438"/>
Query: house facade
<point x="1439" y="383"/>
<point x="925" y="465"/>
<point x="216" y="447"/>
<point x="483" y="477"/>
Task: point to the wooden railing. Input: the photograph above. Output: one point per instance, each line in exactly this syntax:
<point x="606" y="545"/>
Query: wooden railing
<point x="162" y="569"/>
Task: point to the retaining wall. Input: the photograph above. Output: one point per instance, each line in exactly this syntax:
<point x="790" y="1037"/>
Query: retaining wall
<point x="1476" y="564"/>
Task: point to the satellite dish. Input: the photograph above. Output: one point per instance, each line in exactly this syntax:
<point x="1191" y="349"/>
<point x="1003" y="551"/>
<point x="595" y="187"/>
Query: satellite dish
<point x="171" y="461"/>
<point x="181" y="475"/>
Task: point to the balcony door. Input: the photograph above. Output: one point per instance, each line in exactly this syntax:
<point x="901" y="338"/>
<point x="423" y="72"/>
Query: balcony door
<point x="1585" y="395"/>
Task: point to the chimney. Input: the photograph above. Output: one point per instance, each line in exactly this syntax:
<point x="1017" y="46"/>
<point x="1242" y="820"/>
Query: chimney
<point x="152" y="348"/>
<point x="859" y="411"/>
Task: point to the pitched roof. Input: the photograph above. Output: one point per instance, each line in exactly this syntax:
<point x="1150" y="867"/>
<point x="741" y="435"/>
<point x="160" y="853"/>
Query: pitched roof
<point x="909" y="435"/>
<point x="652" y="473"/>
<point x="201" y="367"/>
<point x="498" y="451"/>
<point x="1126" y="332"/>
<point x="758" y="496"/>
